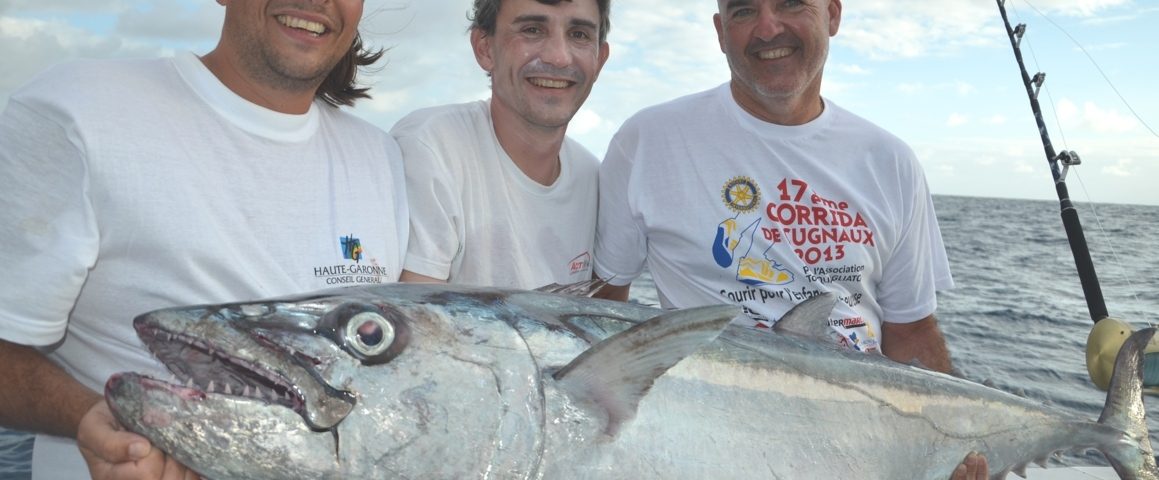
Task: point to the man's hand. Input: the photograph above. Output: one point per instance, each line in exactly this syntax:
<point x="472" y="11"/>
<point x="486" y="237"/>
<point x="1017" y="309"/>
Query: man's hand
<point x="974" y="467"/>
<point x="111" y="452"/>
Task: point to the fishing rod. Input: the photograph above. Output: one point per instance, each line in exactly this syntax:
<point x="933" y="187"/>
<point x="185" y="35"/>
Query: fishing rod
<point x="1065" y="159"/>
<point x="1108" y="334"/>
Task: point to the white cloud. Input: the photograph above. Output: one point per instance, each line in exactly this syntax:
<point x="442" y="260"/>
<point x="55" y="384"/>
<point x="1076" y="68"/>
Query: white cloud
<point x="1094" y="117"/>
<point x="1107" y="120"/>
<point x="584" y="122"/>
<point x="1121" y="168"/>
<point x="172" y="20"/>
<point x="33" y="45"/>
<point x="957" y="120"/>
<point x="963" y="88"/>
<point x="848" y="69"/>
<point x="885" y="29"/>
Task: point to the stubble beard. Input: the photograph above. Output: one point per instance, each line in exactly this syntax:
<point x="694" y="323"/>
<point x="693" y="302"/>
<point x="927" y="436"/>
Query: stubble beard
<point x="276" y="70"/>
<point x="749" y="76"/>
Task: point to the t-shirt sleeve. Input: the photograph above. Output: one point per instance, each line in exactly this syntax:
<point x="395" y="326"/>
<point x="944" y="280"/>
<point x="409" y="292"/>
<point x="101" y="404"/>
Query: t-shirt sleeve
<point x="49" y="238"/>
<point x="918" y="267"/>
<point x="436" y="228"/>
<point x="621" y="243"/>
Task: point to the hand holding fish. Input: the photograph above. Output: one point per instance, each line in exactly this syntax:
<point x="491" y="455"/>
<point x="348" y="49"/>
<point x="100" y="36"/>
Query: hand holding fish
<point x="113" y="452"/>
<point x="973" y="467"/>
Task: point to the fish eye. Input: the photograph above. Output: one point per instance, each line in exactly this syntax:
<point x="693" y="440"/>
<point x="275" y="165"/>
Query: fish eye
<point x="372" y="333"/>
<point x="369" y="333"/>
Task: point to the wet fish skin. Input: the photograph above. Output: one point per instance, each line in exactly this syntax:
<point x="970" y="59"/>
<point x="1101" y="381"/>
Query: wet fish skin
<point x="506" y="384"/>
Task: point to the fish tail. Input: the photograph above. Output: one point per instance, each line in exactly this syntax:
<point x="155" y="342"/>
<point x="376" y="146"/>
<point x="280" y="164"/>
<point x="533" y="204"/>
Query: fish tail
<point x="1132" y="457"/>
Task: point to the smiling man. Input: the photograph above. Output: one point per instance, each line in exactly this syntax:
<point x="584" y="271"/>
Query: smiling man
<point x="185" y="180"/>
<point x="499" y="194"/>
<point x="763" y="193"/>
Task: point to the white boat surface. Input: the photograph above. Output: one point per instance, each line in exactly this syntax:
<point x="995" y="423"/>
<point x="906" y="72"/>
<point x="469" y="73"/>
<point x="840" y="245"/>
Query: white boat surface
<point x="1069" y="473"/>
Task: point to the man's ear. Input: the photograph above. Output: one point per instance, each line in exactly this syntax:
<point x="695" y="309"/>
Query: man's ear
<point x="717" y="22"/>
<point x="481" y="45"/>
<point x="834" y="16"/>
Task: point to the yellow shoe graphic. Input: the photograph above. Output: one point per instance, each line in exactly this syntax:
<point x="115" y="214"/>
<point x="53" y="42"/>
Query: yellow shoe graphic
<point x="761" y="272"/>
<point x="725" y="243"/>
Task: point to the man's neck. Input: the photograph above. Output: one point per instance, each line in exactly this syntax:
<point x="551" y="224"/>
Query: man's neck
<point x="788" y="110"/>
<point x="278" y="100"/>
<point x="533" y="149"/>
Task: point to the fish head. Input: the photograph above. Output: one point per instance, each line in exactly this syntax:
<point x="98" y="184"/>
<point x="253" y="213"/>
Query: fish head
<point x="340" y="384"/>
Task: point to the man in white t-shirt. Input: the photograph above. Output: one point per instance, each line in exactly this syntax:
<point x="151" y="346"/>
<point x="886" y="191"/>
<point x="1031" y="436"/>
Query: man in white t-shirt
<point x="762" y="193"/>
<point x="499" y="194"/>
<point x="133" y="185"/>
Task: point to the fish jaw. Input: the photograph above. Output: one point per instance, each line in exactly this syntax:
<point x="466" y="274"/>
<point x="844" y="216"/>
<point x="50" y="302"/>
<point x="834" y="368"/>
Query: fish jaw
<point x="208" y="430"/>
<point x="216" y="350"/>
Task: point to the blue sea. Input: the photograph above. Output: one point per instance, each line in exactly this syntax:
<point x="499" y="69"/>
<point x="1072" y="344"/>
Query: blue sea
<point x="1017" y="319"/>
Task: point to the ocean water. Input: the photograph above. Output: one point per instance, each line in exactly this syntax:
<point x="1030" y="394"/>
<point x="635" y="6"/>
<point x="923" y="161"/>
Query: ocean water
<point x="1017" y="319"/>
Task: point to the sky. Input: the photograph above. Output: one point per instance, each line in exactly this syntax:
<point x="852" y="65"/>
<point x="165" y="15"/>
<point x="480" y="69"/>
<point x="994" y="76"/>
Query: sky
<point x="940" y="74"/>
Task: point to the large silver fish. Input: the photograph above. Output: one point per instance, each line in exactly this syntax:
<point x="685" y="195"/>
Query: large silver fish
<point x="426" y="381"/>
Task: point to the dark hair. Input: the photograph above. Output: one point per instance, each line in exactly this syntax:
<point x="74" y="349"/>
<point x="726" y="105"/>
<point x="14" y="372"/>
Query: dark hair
<point x="486" y="13"/>
<point x="339" y="88"/>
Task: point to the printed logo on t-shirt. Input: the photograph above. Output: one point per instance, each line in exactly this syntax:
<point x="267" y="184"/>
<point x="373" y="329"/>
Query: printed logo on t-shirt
<point x="353" y="271"/>
<point x="741" y="194"/>
<point x="351" y="248"/>
<point x="581" y="264"/>
<point x="790" y="247"/>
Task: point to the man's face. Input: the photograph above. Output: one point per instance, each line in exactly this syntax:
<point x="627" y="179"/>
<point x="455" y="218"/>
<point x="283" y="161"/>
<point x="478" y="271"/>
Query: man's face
<point x="777" y="48"/>
<point x="290" y="44"/>
<point x="543" y="59"/>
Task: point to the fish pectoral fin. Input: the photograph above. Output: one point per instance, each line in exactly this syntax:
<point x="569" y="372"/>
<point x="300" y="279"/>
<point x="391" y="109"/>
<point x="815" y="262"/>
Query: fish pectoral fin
<point x="809" y="319"/>
<point x="617" y="372"/>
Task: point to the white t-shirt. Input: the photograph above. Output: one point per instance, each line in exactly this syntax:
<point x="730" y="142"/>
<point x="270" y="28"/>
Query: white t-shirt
<point x="476" y="218"/>
<point x="726" y="208"/>
<point x="136" y="185"/>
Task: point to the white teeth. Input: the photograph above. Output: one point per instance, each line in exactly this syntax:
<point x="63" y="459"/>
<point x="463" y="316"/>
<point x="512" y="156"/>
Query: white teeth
<point x="302" y="24"/>
<point x="775" y="53"/>
<point x="211" y="388"/>
<point x="546" y="83"/>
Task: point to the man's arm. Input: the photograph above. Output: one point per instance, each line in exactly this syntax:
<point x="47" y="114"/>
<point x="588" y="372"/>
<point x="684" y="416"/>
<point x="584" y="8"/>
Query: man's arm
<point x="921" y="340"/>
<point x="39" y="396"/>
<point x="412" y="277"/>
<point x="613" y="292"/>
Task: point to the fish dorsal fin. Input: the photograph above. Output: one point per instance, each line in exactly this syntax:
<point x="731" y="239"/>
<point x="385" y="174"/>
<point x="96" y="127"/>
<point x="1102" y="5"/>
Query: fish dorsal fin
<point x="579" y="289"/>
<point x="617" y="372"/>
<point x="809" y="319"/>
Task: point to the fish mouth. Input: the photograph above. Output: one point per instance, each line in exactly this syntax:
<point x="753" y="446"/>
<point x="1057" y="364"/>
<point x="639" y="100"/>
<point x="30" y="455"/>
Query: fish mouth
<point x="213" y="354"/>
<point x="202" y="369"/>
